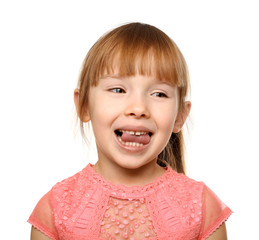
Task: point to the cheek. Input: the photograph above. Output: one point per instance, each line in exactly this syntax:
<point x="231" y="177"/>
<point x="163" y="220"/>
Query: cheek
<point x="168" y="123"/>
<point x="166" y="116"/>
<point x="103" y="113"/>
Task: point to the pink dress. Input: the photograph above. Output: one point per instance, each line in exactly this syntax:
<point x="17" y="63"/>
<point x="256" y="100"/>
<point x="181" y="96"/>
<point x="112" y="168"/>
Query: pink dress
<point x="86" y="206"/>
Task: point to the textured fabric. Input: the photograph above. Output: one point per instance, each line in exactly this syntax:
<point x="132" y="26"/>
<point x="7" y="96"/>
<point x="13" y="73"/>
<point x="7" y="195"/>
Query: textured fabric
<point x="86" y="206"/>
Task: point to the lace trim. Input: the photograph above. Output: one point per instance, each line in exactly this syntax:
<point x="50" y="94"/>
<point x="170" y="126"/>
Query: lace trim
<point x="38" y="225"/>
<point x="220" y="220"/>
<point x="125" y="192"/>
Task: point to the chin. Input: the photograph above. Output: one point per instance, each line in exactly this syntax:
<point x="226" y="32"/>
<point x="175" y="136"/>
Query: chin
<point x="132" y="165"/>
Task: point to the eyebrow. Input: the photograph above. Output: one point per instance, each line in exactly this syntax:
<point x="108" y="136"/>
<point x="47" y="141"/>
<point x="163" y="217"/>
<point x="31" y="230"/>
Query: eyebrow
<point x="110" y="76"/>
<point x="172" y="84"/>
<point x="166" y="83"/>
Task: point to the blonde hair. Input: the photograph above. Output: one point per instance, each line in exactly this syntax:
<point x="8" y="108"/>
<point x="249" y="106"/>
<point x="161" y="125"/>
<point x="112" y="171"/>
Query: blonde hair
<point x="138" y="48"/>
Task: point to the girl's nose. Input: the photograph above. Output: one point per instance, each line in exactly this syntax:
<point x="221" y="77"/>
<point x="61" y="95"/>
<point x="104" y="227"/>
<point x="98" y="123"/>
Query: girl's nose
<point x="138" y="109"/>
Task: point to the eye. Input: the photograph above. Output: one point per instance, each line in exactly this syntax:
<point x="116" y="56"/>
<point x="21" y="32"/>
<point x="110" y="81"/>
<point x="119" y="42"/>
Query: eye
<point x="117" y="90"/>
<point x="159" y="94"/>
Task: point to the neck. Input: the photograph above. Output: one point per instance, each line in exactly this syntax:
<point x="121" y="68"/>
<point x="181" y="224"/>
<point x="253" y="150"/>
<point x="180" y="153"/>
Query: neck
<point x="129" y="177"/>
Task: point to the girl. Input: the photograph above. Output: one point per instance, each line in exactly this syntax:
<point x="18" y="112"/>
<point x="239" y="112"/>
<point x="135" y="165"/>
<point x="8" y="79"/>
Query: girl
<point x="132" y="88"/>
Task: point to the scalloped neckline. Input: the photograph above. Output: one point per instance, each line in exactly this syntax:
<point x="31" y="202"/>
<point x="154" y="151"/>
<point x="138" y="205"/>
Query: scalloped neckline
<point x="123" y="191"/>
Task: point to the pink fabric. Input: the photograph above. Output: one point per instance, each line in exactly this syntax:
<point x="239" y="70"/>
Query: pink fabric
<point x="86" y="206"/>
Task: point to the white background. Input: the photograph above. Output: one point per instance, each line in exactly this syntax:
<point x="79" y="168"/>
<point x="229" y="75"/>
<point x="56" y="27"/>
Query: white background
<point x="42" y="46"/>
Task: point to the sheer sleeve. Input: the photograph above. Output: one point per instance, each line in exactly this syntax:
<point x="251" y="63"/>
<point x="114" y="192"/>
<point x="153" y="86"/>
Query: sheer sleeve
<point x="215" y="212"/>
<point x="42" y="218"/>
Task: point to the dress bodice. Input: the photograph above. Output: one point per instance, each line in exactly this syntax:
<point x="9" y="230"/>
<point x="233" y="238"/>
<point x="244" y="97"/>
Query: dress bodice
<point x="86" y="206"/>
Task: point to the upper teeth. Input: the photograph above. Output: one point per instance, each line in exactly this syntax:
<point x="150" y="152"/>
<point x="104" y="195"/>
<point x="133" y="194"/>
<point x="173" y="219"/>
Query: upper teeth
<point x="134" y="133"/>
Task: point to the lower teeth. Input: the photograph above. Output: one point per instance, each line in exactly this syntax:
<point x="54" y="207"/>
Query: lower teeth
<point x="133" y="144"/>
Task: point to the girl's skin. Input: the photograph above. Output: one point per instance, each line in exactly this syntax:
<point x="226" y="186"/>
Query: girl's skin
<point x="139" y="104"/>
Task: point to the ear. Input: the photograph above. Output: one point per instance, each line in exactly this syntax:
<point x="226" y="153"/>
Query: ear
<point x="85" y="117"/>
<point x="182" y="116"/>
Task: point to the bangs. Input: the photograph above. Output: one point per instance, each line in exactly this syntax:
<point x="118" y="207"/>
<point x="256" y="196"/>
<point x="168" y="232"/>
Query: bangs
<point x="131" y="60"/>
<point x="138" y="49"/>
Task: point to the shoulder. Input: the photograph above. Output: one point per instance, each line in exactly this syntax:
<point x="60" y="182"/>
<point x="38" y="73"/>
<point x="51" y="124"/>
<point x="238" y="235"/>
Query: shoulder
<point x="183" y="183"/>
<point x="185" y="193"/>
<point x="66" y="184"/>
<point x="73" y="185"/>
<point x="55" y="206"/>
<point x="215" y="214"/>
<point x="199" y="202"/>
<point x="66" y="197"/>
<point x="41" y="220"/>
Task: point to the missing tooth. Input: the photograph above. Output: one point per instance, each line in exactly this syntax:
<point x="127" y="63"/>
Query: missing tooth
<point x="118" y="133"/>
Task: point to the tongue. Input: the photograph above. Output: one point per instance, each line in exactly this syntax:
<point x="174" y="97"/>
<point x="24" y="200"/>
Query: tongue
<point x="143" y="138"/>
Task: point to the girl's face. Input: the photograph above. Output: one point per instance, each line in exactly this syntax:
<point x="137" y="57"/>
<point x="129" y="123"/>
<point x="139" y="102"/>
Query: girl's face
<point x="132" y="119"/>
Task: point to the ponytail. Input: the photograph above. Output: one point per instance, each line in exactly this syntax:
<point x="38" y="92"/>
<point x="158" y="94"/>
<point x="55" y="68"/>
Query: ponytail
<point x="173" y="153"/>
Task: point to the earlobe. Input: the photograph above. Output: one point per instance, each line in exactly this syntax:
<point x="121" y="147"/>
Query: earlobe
<point x="181" y="117"/>
<point x="84" y="116"/>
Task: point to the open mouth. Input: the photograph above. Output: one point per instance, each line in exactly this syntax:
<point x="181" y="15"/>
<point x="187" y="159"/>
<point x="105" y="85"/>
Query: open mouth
<point x="133" y="138"/>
